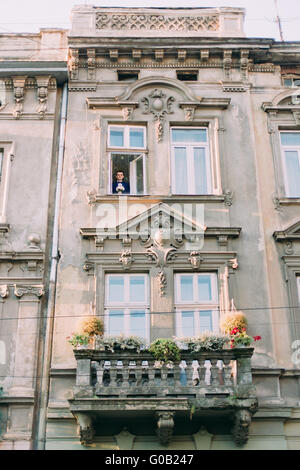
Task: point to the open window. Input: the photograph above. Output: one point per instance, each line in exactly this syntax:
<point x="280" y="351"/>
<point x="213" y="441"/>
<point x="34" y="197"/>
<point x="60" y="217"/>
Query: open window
<point x="127" y="160"/>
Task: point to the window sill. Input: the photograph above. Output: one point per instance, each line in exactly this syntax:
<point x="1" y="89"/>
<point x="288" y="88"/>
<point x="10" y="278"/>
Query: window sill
<point x="212" y="198"/>
<point x="288" y="201"/>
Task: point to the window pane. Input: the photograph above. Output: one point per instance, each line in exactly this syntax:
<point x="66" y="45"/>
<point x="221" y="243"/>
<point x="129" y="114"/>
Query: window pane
<point x="116" y="289"/>
<point x="136" y="137"/>
<point x="189" y="135"/>
<point x="200" y="171"/>
<point x="116" y="137"/>
<point x="137" y="289"/>
<point x="138" y="323"/>
<point x="290" y="138"/>
<point x="204" y="288"/>
<point x="116" y="322"/>
<point x="293" y="173"/>
<point x="205" y="321"/>
<point x="187" y="323"/>
<point x="140" y="176"/>
<point x="288" y="82"/>
<point x="186" y="288"/>
<point x="181" y="178"/>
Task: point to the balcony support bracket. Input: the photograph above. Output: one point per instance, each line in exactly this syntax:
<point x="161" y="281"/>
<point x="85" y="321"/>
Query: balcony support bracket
<point x="165" y="426"/>
<point x="240" y="431"/>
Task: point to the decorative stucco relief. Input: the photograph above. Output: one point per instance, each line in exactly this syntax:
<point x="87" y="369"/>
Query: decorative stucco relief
<point x="152" y="22"/>
<point x="158" y="104"/>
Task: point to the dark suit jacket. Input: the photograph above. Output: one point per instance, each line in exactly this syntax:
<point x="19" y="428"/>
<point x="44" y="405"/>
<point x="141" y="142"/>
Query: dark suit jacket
<point x="124" y="184"/>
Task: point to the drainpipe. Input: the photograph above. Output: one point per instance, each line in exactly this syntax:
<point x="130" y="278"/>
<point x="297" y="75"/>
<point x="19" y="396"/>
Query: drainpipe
<point x="49" y="318"/>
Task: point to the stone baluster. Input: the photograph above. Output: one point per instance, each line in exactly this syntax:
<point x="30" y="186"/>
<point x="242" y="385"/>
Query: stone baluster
<point x="100" y="372"/>
<point x="138" y="372"/>
<point x="151" y="372"/>
<point x="202" y="372"/>
<point x="189" y="371"/>
<point x="214" y="371"/>
<point x="177" y="370"/>
<point x="113" y="374"/>
<point x="125" y="374"/>
<point x="227" y="371"/>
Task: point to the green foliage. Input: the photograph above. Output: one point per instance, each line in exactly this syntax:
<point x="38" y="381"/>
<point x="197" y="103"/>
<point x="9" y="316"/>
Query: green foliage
<point x="204" y="342"/>
<point x="165" y="350"/>
<point x="78" y="339"/>
<point x="112" y="343"/>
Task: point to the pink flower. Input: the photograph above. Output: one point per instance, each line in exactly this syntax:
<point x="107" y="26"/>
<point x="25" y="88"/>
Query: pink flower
<point x="256" y="338"/>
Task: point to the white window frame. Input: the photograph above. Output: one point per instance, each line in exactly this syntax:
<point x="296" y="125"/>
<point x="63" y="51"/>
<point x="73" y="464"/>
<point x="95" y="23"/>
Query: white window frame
<point x="195" y="305"/>
<point x="126" y="136"/>
<point x="190" y="160"/>
<point x="113" y="150"/>
<point x="298" y="287"/>
<point x="126" y="305"/>
<point x="285" y="148"/>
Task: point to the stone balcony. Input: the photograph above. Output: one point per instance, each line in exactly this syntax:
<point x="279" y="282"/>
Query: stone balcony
<point x="204" y="385"/>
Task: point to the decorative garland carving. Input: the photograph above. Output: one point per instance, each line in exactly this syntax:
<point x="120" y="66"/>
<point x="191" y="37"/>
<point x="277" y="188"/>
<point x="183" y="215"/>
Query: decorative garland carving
<point x="91" y="63"/>
<point x="19" y="84"/>
<point x="74" y="63"/>
<point x="159" y="105"/>
<point x="162" y="278"/>
<point x="150" y="22"/>
<point x="4" y="291"/>
<point x="165" y="426"/>
<point x="228" y="197"/>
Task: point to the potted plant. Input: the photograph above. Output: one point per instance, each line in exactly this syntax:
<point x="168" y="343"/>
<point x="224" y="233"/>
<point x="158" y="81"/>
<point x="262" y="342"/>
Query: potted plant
<point x="207" y="341"/>
<point x="118" y="343"/>
<point x="240" y="339"/>
<point x="165" y="351"/>
<point x="79" y="340"/>
<point x="92" y="326"/>
<point x="231" y="320"/>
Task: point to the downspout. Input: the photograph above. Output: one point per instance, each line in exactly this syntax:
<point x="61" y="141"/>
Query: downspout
<point x="49" y="318"/>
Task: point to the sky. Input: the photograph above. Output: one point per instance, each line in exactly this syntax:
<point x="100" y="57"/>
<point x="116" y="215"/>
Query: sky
<point x="31" y="15"/>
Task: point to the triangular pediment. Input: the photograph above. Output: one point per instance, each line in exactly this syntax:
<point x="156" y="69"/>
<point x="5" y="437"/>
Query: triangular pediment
<point x="163" y="216"/>
<point x="290" y="233"/>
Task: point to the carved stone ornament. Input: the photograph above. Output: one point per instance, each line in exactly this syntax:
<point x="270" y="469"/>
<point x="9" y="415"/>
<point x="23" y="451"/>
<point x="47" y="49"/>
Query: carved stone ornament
<point x="165" y="426"/>
<point x="4" y="291"/>
<point x="21" y="290"/>
<point x="276" y="202"/>
<point x="127" y="112"/>
<point x="158" y="104"/>
<point x="241" y="427"/>
<point x="162" y="278"/>
<point x="162" y="244"/>
<point x="288" y="247"/>
<point x="34" y="241"/>
<point x="126" y="259"/>
<point x="195" y="259"/>
<point x="189" y="112"/>
<point x="43" y="83"/>
<point x="91" y="195"/>
<point x="154" y="22"/>
<point x="74" y="63"/>
<point x="233" y="263"/>
<point x="87" y="436"/>
<point x="91" y="63"/>
<point x="227" y="64"/>
<point x="19" y="84"/>
<point x="228" y="197"/>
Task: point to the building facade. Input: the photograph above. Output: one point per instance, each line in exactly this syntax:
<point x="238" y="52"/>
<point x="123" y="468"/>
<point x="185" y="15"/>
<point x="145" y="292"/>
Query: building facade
<point x="198" y="128"/>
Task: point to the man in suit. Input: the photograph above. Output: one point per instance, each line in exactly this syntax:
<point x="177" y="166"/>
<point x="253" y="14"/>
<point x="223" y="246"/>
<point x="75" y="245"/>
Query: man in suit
<point x="120" y="186"/>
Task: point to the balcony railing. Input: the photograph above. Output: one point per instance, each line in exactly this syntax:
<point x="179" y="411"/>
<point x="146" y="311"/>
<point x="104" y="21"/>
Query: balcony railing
<point x="128" y="380"/>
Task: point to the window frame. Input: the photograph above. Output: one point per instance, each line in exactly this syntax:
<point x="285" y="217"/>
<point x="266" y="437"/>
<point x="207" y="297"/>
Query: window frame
<point x="283" y="149"/>
<point x="190" y="146"/>
<point x="127" y="306"/>
<point x="196" y="305"/>
<point x="112" y="150"/>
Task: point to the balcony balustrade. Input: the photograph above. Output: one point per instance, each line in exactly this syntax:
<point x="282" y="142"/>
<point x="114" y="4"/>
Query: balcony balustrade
<point x="217" y="382"/>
